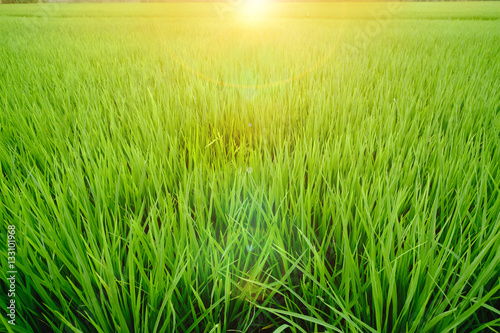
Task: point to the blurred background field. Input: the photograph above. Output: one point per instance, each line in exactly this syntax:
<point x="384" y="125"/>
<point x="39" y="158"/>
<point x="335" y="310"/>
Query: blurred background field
<point x="207" y="167"/>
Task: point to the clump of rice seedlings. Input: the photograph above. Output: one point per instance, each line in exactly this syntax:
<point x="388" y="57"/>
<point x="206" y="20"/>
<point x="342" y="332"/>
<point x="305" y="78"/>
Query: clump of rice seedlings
<point x="165" y="174"/>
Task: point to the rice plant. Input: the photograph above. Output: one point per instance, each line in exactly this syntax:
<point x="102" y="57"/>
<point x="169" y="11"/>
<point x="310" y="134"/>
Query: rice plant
<point x="309" y="167"/>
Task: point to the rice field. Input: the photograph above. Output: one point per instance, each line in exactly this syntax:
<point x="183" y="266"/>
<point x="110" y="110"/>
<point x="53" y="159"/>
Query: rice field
<point x="250" y="167"/>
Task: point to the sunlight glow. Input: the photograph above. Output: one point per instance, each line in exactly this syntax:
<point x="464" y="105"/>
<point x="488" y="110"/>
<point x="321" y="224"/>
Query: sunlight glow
<point x="254" y="9"/>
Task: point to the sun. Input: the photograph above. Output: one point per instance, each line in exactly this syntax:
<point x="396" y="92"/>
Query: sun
<point x="256" y="1"/>
<point x="254" y="8"/>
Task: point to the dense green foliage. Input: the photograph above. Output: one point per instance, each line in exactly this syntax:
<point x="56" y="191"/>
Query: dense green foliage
<point x="194" y="168"/>
<point x="18" y="1"/>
